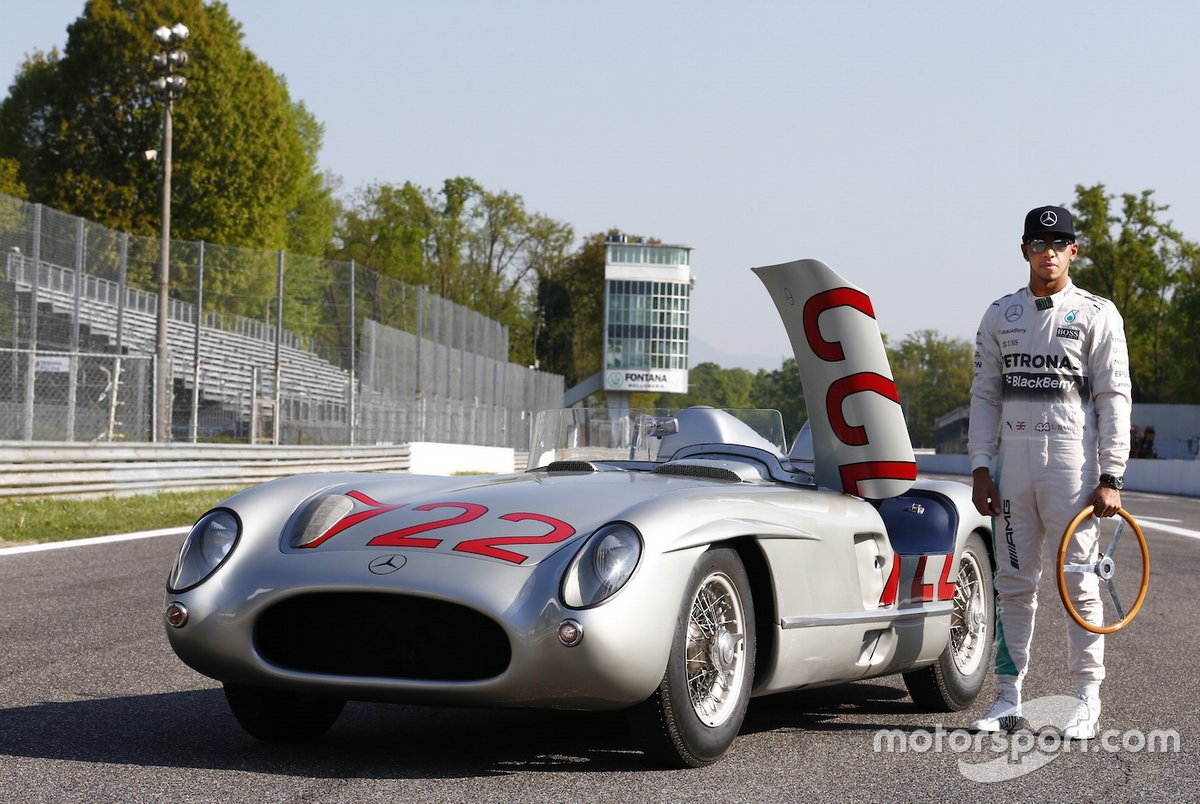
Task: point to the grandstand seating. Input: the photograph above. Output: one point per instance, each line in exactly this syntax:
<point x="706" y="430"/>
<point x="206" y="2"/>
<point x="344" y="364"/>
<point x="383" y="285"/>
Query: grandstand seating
<point x="226" y="357"/>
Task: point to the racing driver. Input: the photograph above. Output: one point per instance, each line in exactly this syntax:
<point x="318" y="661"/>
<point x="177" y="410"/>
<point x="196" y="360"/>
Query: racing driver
<point x="1050" y="406"/>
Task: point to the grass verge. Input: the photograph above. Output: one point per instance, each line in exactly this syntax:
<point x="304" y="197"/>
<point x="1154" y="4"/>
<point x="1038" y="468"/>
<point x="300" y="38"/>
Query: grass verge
<point x="52" y="519"/>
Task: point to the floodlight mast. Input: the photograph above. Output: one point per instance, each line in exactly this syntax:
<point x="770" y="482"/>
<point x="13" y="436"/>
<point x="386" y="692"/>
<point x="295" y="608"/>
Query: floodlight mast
<point x="169" y="86"/>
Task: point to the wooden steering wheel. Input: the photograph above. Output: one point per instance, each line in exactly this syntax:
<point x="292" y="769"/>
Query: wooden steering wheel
<point x="1105" y="566"/>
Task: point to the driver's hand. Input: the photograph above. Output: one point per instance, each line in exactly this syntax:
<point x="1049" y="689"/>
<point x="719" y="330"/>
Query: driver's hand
<point x="1105" y="501"/>
<point x="984" y="493"/>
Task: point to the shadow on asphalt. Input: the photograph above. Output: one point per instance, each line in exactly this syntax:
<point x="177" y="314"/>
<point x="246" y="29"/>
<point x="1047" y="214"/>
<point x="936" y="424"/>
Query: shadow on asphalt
<point x="820" y="709"/>
<point x="196" y="730"/>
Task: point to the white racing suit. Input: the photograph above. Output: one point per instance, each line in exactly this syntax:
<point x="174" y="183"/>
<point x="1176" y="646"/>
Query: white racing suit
<point x="1052" y="391"/>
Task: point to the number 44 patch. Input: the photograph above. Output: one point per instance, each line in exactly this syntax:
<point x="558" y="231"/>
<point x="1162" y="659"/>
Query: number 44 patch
<point x="920" y="591"/>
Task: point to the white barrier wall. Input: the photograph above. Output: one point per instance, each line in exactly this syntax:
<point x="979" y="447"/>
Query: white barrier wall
<point x="1164" y="477"/>
<point x="89" y="470"/>
<point x="42" y="468"/>
<point x="427" y="458"/>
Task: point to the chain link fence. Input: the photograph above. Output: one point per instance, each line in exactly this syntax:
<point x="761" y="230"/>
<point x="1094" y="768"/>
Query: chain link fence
<point x="266" y="347"/>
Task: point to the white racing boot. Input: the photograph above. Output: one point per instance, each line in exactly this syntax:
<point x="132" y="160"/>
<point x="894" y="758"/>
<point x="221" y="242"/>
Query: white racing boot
<point x="1085" y="719"/>
<point x="1005" y="714"/>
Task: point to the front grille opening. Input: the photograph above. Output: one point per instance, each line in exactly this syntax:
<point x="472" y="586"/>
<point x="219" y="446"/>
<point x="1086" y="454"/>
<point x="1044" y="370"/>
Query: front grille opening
<point x="381" y="635"/>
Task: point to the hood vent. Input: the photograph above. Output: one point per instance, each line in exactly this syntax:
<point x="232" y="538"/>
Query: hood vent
<point x="570" y="466"/>
<point x="694" y="470"/>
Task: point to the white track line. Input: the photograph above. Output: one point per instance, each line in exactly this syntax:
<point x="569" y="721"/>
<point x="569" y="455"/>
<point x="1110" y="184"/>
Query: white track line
<point x="120" y="537"/>
<point x="1148" y="525"/>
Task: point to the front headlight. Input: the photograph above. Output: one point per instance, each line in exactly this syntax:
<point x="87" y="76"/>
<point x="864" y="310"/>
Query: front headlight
<point x="205" y="549"/>
<point x="602" y="567"/>
<point x="309" y="526"/>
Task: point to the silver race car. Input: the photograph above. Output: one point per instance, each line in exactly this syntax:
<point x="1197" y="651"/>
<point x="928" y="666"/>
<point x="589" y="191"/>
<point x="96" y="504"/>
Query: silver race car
<point x="673" y="565"/>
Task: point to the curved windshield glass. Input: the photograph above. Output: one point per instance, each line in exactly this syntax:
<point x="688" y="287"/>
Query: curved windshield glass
<point x="598" y="434"/>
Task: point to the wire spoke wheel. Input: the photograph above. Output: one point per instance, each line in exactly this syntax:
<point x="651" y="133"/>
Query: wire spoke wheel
<point x="716" y="647"/>
<point x="953" y="682"/>
<point x="968" y="621"/>
<point x="695" y="714"/>
<point x="1105" y="567"/>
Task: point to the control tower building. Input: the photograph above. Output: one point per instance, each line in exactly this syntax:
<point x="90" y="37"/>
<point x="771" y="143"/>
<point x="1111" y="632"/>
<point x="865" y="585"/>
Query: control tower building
<point x="647" y="304"/>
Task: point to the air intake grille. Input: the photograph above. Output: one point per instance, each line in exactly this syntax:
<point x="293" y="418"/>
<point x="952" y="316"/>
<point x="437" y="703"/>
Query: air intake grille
<point x="381" y="635"/>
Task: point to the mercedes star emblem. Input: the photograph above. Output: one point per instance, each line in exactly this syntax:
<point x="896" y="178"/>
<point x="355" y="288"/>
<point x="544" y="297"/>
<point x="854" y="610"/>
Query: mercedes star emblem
<point x="1049" y="218"/>
<point x="386" y="565"/>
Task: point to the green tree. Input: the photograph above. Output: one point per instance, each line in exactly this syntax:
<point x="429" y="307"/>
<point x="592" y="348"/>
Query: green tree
<point x="508" y="249"/>
<point x="570" y="313"/>
<point x="547" y="253"/>
<point x="481" y="249"/>
<point x="245" y="153"/>
<point x="710" y="384"/>
<point x="781" y="390"/>
<point x="10" y="184"/>
<point x="1146" y="267"/>
<point x="451" y="235"/>
<point x="1184" y="359"/>
<point x="933" y="376"/>
<point x="388" y="229"/>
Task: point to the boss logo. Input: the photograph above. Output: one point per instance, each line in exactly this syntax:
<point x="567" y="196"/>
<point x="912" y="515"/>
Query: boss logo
<point x="1067" y="332"/>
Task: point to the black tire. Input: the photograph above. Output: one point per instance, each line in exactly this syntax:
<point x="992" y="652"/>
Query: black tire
<point x="952" y="683"/>
<point x="275" y="716"/>
<point x="692" y="723"/>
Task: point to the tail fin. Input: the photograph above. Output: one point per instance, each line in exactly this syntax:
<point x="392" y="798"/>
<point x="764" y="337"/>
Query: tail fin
<point x="860" y="441"/>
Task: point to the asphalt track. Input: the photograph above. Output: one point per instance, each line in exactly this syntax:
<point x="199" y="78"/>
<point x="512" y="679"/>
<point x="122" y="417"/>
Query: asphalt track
<point x="95" y="707"/>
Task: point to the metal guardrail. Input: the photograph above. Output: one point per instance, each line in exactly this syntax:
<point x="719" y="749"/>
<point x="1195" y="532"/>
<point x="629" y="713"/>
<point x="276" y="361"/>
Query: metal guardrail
<point x="80" y="470"/>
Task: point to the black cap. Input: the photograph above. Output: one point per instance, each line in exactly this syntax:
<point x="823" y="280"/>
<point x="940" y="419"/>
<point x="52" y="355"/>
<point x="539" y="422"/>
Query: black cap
<point x="1049" y="221"/>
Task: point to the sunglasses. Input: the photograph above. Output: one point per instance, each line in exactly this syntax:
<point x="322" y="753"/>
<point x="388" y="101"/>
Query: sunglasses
<point x="1038" y="246"/>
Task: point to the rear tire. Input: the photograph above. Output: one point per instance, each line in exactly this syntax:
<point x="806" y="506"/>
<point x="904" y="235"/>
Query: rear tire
<point x="276" y="716"/>
<point x="952" y="683"/>
<point x="698" y="709"/>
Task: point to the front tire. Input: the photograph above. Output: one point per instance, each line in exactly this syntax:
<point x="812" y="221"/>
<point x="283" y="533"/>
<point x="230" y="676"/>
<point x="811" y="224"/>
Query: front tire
<point x="953" y="682"/>
<point x="276" y="716"/>
<point x="698" y="709"/>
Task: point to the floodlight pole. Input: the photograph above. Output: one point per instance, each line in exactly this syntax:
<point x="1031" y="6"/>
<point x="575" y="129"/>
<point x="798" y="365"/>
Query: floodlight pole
<point x="162" y="418"/>
<point x="170" y="86"/>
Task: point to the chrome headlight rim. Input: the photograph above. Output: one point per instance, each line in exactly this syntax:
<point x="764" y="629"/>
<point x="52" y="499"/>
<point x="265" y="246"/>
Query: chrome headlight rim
<point x="191" y="542"/>
<point x="570" y="593"/>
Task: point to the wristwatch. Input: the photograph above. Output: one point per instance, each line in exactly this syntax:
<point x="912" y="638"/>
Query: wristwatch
<point x="1113" y="481"/>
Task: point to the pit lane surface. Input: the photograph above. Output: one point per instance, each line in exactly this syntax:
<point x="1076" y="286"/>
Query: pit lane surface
<point x="94" y="706"/>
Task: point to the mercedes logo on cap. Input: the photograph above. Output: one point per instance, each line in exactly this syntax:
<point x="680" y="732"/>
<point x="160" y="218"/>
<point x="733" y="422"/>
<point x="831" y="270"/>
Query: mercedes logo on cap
<point x="386" y="565"/>
<point x="1049" y="218"/>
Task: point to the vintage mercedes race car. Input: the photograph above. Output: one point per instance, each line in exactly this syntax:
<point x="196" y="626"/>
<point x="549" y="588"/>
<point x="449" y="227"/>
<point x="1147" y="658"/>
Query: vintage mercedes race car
<point x="673" y="565"/>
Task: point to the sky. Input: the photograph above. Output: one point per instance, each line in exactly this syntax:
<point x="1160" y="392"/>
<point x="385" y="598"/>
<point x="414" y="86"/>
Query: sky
<point x="901" y="143"/>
